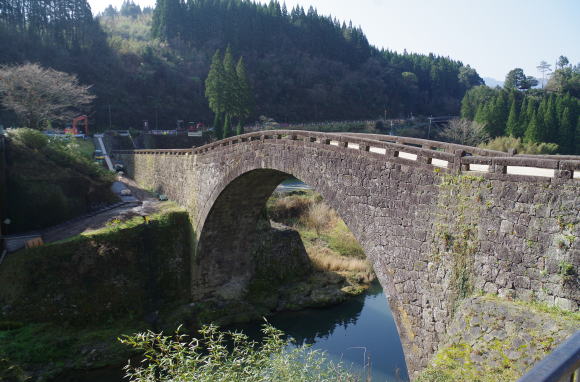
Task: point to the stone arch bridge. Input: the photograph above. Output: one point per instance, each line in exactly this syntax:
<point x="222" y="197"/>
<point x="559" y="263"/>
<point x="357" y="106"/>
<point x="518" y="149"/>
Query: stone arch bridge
<point x="438" y="221"/>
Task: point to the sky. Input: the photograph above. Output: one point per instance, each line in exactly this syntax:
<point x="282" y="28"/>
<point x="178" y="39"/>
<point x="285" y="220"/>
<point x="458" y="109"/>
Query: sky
<point x="493" y="36"/>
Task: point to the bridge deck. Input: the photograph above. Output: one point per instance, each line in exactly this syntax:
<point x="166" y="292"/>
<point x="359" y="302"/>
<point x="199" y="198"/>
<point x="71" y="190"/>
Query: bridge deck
<point x="447" y="157"/>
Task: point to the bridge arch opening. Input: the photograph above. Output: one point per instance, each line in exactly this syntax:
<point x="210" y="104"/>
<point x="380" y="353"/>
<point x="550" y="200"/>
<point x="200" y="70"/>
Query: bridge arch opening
<point x="232" y="229"/>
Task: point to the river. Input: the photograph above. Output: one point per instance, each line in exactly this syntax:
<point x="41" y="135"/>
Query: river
<point x="360" y="327"/>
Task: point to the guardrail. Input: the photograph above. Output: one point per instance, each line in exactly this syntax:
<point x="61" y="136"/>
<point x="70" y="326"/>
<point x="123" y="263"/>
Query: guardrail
<point x="447" y="157"/>
<point x="562" y="364"/>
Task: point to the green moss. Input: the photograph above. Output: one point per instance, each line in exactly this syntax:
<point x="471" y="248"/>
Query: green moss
<point x="455" y="236"/>
<point x="126" y="269"/>
<point x="556" y="312"/>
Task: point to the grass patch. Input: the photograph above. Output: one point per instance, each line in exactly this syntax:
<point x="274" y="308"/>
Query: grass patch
<point x="329" y="243"/>
<point x="556" y="312"/>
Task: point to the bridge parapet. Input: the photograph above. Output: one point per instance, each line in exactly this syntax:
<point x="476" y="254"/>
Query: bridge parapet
<point x="438" y="156"/>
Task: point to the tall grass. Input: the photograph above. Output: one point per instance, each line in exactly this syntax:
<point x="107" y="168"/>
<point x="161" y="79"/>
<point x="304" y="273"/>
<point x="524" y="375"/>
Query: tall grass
<point x="319" y="217"/>
<point x="324" y="259"/>
<point x="329" y="243"/>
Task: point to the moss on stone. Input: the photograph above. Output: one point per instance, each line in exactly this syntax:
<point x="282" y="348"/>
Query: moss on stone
<point x="127" y="269"/>
<point x="493" y="339"/>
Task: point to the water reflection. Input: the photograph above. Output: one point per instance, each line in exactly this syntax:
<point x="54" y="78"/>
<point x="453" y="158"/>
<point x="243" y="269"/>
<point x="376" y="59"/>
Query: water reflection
<point x="359" y="328"/>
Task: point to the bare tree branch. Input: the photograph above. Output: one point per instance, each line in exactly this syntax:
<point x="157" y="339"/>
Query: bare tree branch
<point x="38" y="95"/>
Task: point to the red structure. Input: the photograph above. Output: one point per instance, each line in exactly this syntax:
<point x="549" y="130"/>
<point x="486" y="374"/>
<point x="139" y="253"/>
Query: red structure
<point x="74" y="130"/>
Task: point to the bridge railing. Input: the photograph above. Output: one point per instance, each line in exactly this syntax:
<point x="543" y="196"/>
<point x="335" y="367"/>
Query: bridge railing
<point x="447" y="157"/>
<point x="428" y="144"/>
<point x="562" y="364"/>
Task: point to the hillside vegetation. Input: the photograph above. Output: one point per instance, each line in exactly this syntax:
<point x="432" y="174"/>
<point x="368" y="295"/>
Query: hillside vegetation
<point x="50" y="181"/>
<point x="301" y="66"/>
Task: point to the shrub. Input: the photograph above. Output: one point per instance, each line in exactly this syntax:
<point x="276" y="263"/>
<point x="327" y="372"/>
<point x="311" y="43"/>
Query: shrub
<point x="532" y="148"/>
<point x="465" y="132"/>
<point x="29" y="137"/>
<point x="210" y="359"/>
<point x="319" y="217"/>
<point x="289" y="207"/>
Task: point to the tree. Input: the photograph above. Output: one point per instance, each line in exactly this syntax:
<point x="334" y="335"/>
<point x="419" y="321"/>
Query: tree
<point x="551" y="121"/>
<point x="38" y="95"/>
<point x="215" y="91"/>
<point x="227" y="132"/>
<point x="465" y="132"/>
<point x="512" y="122"/>
<point x="474" y="99"/>
<point x="230" y="84"/>
<point x="130" y="9"/>
<point x="562" y="62"/>
<point x="110" y="11"/>
<point x="469" y="78"/>
<point x="567" y="131"/>
<point x="516" y="79"/>
<point x="543" y="68"/>
<point x="245" y="99"/>
<point x="532" y="133"/>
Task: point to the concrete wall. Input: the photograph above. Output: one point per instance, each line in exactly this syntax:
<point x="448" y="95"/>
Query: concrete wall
<point x="434" y="236"/>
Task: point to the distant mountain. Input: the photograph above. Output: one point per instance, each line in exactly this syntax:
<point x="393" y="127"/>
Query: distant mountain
<point x="492" y="82"/>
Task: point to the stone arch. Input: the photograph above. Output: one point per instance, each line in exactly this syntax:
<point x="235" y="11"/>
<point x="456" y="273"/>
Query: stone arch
<point x="233" y="209"/>
<point x="400" y="207"/>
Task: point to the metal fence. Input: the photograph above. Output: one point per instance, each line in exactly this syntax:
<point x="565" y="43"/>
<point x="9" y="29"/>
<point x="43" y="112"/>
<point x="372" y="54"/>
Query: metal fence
<point x="563" y="364"/>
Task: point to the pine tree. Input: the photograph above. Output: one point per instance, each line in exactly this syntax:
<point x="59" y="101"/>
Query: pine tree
<point x="540" y="118"/>
<point x="240" y="129"/>
<point x="215" y="91"/>
<point x="245" y="101"/>
<point x="230" y="84"/>
<point x="498" y="115"/>
<point x="481" y="114"/>
<point x="167" y="19"/>
<point x="551" y="121"/>
<point x="523" y="119"/>
<point x="532" y="134"/>
<point x="512" y="123"/>
<point x="227" y="127"/>
<point x="567" y="132"/>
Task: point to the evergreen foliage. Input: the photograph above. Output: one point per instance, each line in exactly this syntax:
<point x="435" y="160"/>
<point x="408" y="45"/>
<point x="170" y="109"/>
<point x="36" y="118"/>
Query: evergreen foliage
<point x="536" y="116"/>
<point x="512" y="122"/>
<point x="152" y="65"/>
<point x="228" y="93"/>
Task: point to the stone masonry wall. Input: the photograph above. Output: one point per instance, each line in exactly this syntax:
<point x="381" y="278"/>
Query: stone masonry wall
<point x="433" y="238"/>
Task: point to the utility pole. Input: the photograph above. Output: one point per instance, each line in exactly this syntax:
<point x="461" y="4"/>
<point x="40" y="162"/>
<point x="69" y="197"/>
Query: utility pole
<point x="429" y="132"/>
